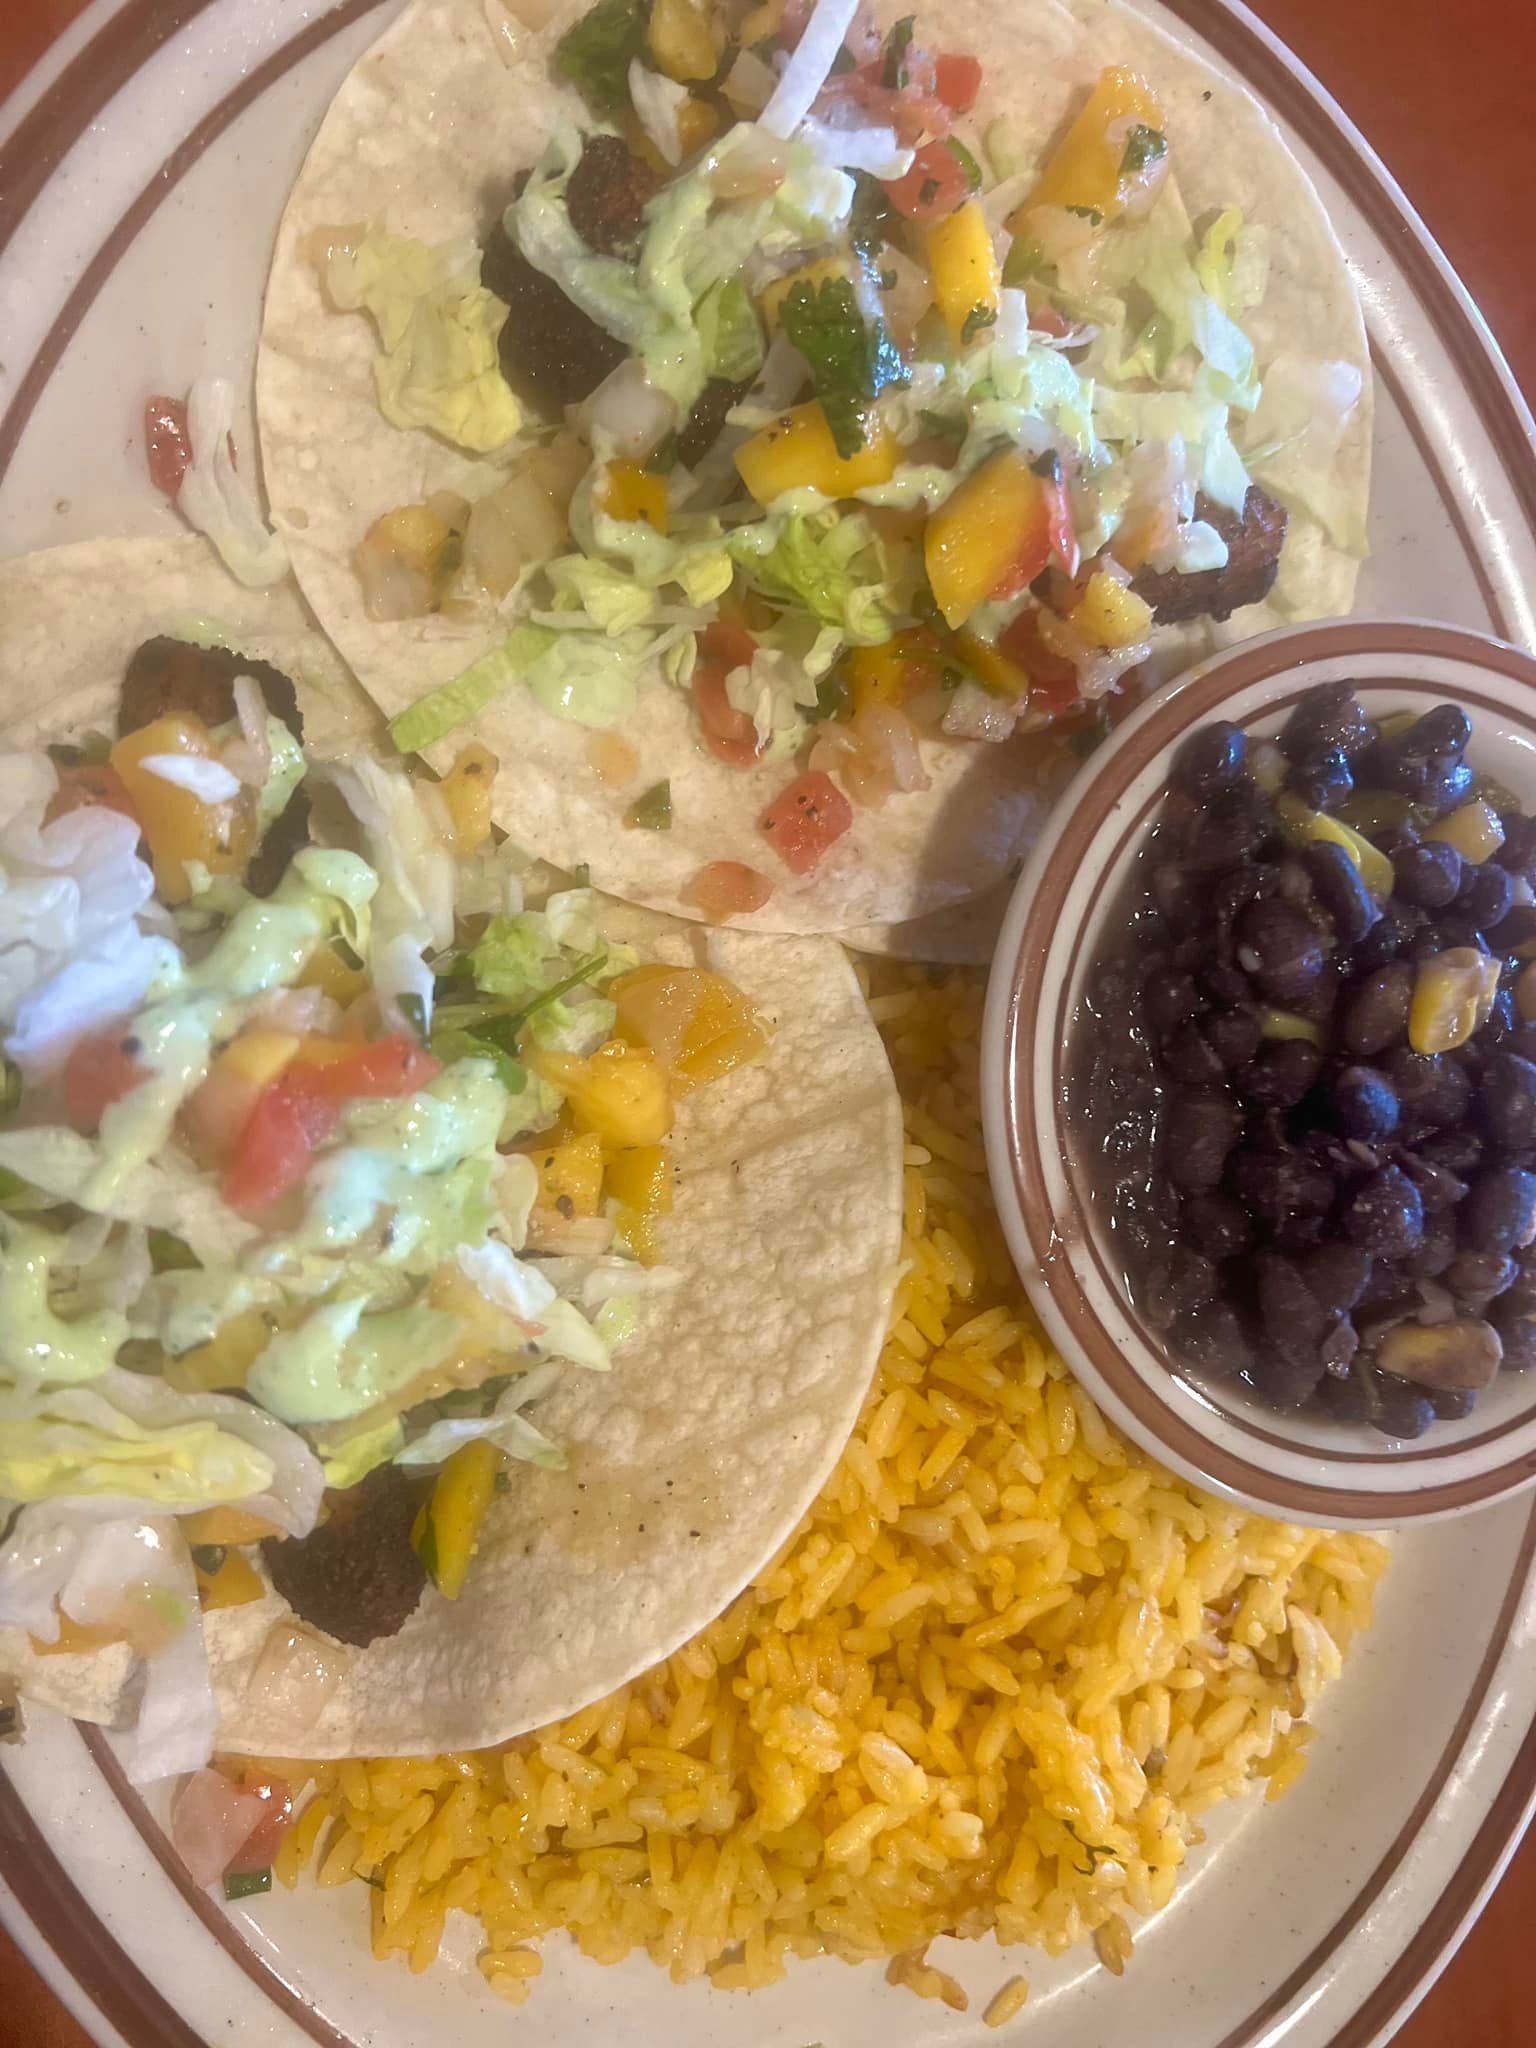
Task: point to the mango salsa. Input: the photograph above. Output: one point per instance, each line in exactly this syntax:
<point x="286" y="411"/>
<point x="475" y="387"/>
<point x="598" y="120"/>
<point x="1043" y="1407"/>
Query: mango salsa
<point x="963" y="266"/>
<point x="446" y="1533"/>
<point x="798" y="453"/>
<point x="1088" y="167"/>
<point x="620" y="1093"/>
<point x="698" y="1024"/>
<point x="179" y="826"/>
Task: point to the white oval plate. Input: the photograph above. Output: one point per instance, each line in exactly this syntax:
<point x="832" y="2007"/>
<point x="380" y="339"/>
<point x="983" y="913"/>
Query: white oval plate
<point x="142" y="170"/>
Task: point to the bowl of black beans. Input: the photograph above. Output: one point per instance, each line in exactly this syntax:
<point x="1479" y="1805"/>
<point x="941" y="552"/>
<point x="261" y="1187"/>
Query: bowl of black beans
<point x="1260" y="1073"/>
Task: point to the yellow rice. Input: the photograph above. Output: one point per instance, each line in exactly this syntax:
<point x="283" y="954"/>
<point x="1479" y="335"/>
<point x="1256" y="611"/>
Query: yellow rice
<point x="991" y="1685"/>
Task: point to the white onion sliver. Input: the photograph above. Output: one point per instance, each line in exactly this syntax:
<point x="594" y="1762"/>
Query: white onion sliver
<point x="209" y="781"/>
<point x="875" y="150"/>
<point x="656" y="101"/>
<point x="975" y="714"/>
<point x="628" y="411"/>
<point x="809" y="67"/>
<point x="251" y="710"/>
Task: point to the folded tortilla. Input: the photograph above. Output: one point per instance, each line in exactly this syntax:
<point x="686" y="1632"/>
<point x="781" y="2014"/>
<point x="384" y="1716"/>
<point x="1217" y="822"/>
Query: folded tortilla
<point x="691" y="1463"/>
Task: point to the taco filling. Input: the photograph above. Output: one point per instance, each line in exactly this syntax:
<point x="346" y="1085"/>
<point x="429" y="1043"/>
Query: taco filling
<point x="324" y="1158"/>
<point x="834" y="410"/>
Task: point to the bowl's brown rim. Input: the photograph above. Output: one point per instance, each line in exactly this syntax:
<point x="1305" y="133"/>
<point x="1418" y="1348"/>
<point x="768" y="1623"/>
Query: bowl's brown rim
<point x="1155" y="1404"/>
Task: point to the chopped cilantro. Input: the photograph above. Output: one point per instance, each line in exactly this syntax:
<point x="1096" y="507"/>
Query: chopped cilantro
<point x="978" y="318"/>
<point x="842" y="62"/>
<point x="928" y="191"/>
<point x="10" y="1087"/>
<point x="1143" y="146"/>
<point x="1023" y="260"/>
<point x="168" y="1253"/>
<point x="489" y="1030"/>
<point x="245" y="1884"/>
<point x="414" y="1010"/>
<point x="652" y="811"/>
<point x="966" y="161"/>
<point x="897" y="44"/>
<point x="1088" y="213"/>
<point x="851" y="360"/>
<point x="941" y="423"/>
<point x="869" y="221"/>
<point x="595" y="54"/>
<point x="666" y="455"/>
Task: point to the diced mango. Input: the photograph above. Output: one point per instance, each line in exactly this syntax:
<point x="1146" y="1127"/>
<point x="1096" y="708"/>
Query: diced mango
<point x="634" y="493"/>
<point x="798" y="453"/>
<point x="77" y="1638"/>
<point x="223" y="1526"/>
<point x="235" y="1584"/>
<point x="179" y="826"/>
<point x="416" y="533"/>
<point x="1110" y="614"/>
<point x="466" y="791"/>
<point x="620" y="1093"/>
<point x="977" y="535"/>
<point x="222" y="1362"/>
<point x="258" y="1056"/>
<point x="684" y="39"/>
<point x="698" y="1024"/>
<point x="570" y="1175"/>
<point x="328" y="972"/>
<point x="697" y="123"/>
<point x="639" y="1177"/>
<point x="1085" y="168"/>
<point x="773" y="295"/>
<point x="895" y="670"/>
<point x="315" y="1049"/>
<point x="641" y="1231"/>
<point x="963" y="266"/>
<point x="446" y="1533"/>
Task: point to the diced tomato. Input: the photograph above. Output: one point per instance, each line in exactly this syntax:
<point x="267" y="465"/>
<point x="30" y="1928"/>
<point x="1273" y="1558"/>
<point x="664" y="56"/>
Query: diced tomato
<point x="299" y="1110"/>
<point x="936" y="184"/>
<point x="1050" y="534"/>
<point x="728" y="733"/>
<point x="389" y="1066"/>
<point x="803" y="820"/>
<point x="100" y="1071"/>
<point x="167" y="444"/>
<point x="957" y="81"/>
<point x="266" y="1838"/>
<point x="90" y="783"/>
<point x="1052" y="678"/>
<point x="723" y="887"/>
<point x="211" y="1820"/>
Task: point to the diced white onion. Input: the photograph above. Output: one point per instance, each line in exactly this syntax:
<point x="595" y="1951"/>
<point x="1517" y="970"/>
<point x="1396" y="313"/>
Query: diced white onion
<point x="875" y="150"/>
<point x="657" y="102"/>
<point x="748" y="85"/>
<point x="251" y="710"/>
<point x="809" y="67"/>
<point x="209" y="781"/>
<point x="975" y="714"/>
<point x="627" y="412"/>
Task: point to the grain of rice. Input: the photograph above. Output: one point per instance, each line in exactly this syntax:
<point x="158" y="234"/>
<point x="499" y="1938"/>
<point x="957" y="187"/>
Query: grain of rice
<point x="989" y="1685"/>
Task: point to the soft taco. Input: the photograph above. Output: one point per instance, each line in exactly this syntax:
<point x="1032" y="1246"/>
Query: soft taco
<point x="428" y="1293"/>
<point x="787" y="434"/>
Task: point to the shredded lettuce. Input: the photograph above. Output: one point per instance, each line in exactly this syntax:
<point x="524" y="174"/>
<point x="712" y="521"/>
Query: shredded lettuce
<point x="595" y="54"/>
<point x="437" y="365"/>
<point x="730" y="331"/>
<point x="217" y="500"/>
<point x="505" y="1426"/>
<point x="827" y="563"/>
<point x="442" y="710"/>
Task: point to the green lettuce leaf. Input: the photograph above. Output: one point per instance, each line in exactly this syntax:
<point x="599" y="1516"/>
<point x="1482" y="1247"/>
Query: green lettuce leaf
<point x="825" y="562"/>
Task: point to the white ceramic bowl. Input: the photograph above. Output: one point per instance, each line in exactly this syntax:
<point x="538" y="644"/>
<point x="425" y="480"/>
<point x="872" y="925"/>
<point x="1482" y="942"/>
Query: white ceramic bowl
<point x="1304" y="1467"/>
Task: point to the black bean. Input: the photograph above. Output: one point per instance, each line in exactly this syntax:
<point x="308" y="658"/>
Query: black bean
<point x="1428" y="874"/>
<point x="1296" y="1235"/>
<point x="1338" y="1274"/>
<point x="1365" y="1102"/>
<point x="1211" y="759"/>
<point x="1521" y="1292"/>
<point x="1318" y="1003"/>
<point x="1280" y="1073"/>
<point x="1177" y="897"/>
<point x="1452" y="1404"/>
<point x="1233" y="1035"/>
<point x="1184" y="1280"/>
<point x="1445" y="788"/>
<point x="1287" y="1380"/>
<point x="1518" y="853"/>
<point x="1217" y="1226"/>
<point x="1341" y="1340"/>
<point x="1402" y="1409"/>
<point x="1170" y="997"/>
<point x="1435" y="1253"/>
<point x="1487" y="896"/>
<point x="1517" y="928"/>
<point x="1476" y="1278"/>
<point x="1224" y="983"/>
<point x="1506" y="1101"/>
<point x="1500" y="1212"/>
<point x="1292" y="1316"/>
<point x="1187" y="1058"/>
<point x="1211" y="1338"/>
<point x="1350" y="1398"/>
<point x="1328" y="720"/>
<point x="1385" y="1216"/>
<point x="1322" y="784"/>
<point x="1432" y="1090"/>
<point x="1517" y="1333"/>
<point x="1458" y="1151"/>
<point x="1280" y="948"/>
<point x="1391" y="935"/>
<point x="1276" y="1182"/>
<point x="1233" y="825"/>
<point x="1337" y="884"/>
<point x="1202" y="1131"/>
<point x="1374" y="1012"/>
<point x="1438" y="1187"/>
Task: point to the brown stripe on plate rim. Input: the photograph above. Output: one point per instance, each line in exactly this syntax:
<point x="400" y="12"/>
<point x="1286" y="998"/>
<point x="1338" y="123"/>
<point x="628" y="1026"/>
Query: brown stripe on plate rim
<point x="101" y="266"/>
<point x="1241" y="668"/>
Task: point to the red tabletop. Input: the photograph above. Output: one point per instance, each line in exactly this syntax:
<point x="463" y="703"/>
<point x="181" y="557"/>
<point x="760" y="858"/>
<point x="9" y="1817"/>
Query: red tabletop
<point x="1444" y="96"/>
